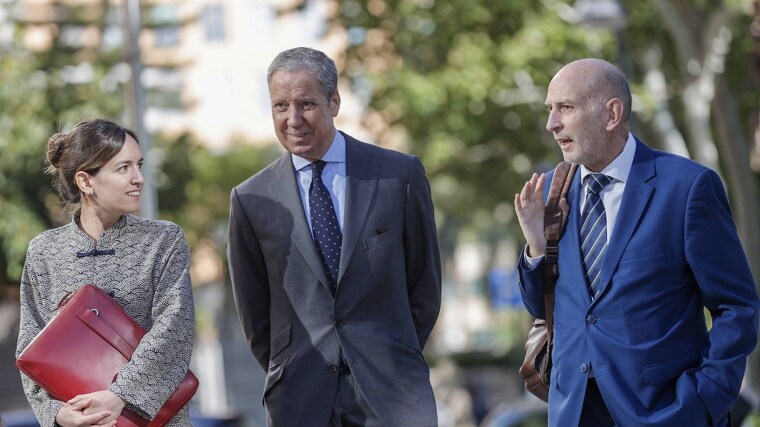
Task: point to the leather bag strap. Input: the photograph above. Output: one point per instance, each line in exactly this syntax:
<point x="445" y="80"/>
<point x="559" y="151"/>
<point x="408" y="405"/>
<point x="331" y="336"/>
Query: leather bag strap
<point x="92" y="318"/>
<point x="554" y="221"/>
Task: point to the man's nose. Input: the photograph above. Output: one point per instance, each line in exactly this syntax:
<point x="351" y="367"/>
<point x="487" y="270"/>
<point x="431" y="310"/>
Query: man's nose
<point x="553" y="122"/>
<point x="295" y="116"/>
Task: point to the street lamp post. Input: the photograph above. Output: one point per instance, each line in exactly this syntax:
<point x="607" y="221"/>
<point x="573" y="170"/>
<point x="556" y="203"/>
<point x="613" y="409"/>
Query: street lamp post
<point x="149" y="200"/>
<point x="608" y="15"/>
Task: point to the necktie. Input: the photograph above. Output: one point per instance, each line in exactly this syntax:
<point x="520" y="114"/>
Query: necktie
<point x="324" y="223"/>
<point x="594" y="229"/>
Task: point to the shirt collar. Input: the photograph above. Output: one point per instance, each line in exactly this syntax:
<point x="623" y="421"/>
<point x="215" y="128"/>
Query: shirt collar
<point x="106" y="239"/>
<point x="335" y="154"/>
<point x="619" y="168"/>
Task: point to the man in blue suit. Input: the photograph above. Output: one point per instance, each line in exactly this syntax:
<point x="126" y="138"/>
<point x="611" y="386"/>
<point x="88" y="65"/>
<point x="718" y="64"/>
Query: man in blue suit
<point x="641" y="257"/>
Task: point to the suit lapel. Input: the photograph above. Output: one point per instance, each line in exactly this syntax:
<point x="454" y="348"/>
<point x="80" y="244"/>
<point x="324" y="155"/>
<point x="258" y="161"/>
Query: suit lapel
<point x="361" y="184"/>
<point x="285" y="191"/>
<point x="635" y="198"/>
<point x="574" y="195"/>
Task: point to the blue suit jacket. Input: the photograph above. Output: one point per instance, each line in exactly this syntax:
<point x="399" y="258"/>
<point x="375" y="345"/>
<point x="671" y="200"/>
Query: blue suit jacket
<point x="674" y="252"/>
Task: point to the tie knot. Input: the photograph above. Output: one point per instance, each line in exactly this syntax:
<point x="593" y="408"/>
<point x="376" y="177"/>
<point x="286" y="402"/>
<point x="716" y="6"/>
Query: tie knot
<point x="597" y="181"/>
<point x="318" y="167"/>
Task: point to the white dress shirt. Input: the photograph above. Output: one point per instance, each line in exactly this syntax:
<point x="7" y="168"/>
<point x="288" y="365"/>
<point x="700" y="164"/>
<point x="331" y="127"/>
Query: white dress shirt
<point x="611" y="195"/>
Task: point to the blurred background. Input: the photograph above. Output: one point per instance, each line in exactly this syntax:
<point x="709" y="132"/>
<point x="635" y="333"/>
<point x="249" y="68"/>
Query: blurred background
<point x="459" y="83"/>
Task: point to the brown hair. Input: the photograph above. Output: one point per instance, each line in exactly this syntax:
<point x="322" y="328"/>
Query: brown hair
<point x="89" y="146"/>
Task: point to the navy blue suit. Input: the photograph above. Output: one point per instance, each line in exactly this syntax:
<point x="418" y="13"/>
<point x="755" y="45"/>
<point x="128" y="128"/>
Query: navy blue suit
<point x="674" y="251"/>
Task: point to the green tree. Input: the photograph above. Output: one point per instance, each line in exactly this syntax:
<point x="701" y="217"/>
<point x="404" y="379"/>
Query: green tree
<point x="68" y="76"/>
<point x="194" y="182"/>
<point x="22" y="185"/>
<point x="462" y="85"/>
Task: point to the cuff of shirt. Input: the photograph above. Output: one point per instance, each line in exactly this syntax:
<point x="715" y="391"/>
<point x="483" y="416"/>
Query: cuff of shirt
<point x="529" y="262"/>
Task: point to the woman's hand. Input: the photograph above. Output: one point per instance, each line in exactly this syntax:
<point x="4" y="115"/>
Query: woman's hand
<point x="72" y="415"/>
<point x="100" y="408"/>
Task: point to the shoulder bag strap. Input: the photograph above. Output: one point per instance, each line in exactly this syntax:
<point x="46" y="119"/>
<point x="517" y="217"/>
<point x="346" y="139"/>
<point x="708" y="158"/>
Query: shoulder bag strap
<point x="553" y="224"/>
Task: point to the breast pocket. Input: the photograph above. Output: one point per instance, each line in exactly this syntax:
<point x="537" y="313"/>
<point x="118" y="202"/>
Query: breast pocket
<point x="381" y="240"/>
<point x="635" y="254"/>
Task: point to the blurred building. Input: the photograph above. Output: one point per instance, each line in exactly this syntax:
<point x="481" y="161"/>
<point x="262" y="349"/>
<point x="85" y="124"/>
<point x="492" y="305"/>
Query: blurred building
<point x="204" y="61"/>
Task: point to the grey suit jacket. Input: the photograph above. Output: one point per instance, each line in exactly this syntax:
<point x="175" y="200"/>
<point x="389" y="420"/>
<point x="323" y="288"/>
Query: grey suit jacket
<point x="387" y="298"/>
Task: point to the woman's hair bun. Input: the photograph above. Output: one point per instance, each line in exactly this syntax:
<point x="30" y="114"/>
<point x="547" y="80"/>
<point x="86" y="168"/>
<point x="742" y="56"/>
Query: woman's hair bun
<point x="56" y="146"/>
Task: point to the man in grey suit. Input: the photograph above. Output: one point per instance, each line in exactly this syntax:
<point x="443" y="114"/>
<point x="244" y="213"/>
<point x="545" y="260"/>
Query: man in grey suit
<point x="335" y="266"/>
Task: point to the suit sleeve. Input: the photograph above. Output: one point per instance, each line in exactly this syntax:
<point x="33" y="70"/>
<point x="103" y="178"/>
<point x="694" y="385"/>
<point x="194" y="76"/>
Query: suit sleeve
<point x="249" y="280"/>
<point x="423" y="260"/>
<point x="532" y="287"/>
<point x="722" y="273"/>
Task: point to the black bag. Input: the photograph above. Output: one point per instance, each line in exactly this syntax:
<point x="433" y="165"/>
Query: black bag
<point x="537" y="364"/>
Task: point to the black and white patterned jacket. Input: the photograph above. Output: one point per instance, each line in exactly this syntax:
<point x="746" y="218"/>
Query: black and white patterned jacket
<point x="145" y="265"/>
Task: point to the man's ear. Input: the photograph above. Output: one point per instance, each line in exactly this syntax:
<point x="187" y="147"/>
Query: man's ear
<point x="84" y="182"/>
<point x="335" y="104"/>
<point x="614" y="108"/>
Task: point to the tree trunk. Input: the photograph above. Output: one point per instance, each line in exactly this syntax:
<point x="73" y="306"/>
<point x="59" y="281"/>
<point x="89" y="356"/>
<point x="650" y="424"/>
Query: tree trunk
<point x="701" y="51"/>
<point x="744" y="189"/>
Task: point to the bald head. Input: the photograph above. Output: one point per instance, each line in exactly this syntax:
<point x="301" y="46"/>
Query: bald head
<point x="589" y="112"/>
<point x="601" y="80"/>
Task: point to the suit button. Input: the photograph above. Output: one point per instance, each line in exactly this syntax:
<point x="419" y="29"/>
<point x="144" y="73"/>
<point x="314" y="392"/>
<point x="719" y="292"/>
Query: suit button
<point x="584" y="368"/>
<point x="338" y="324"/>
<point x="591" y="319"/>
<point x="332" y="368"/>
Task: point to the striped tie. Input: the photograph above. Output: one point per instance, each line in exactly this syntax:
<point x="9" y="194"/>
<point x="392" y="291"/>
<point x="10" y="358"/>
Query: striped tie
<point x="594" y="229"/>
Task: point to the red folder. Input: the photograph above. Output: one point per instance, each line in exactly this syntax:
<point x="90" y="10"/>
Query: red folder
<point x="82" y="349"/>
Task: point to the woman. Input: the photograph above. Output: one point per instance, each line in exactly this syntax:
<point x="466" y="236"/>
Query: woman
<point x="142" y="263"/>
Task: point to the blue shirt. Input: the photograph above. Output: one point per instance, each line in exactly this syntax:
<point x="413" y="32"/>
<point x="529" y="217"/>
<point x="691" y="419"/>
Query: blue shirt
<point x="334" y="177"/>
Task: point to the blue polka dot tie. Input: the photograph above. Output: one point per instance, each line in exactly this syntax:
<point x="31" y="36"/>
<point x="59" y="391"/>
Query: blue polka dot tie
<point x="594" y="229"/>
<point x="324" y="223"/>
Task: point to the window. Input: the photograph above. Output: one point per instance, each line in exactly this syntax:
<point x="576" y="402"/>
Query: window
<point x="166" y="36"/>
<point x="212" y="18"/>
<point x="163" y="14"/>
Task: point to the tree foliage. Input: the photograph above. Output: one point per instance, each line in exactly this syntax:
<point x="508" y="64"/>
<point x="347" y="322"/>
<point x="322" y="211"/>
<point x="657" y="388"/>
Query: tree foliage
<point x="194" y="182"/>
<point x="58" y="71"/>
<point x="41" y="92"/>
<point x="462" y="84"/>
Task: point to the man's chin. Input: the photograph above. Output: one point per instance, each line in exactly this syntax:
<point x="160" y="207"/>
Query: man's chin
<point x="306" y="152"/>
<point x="298" y="147"/>
<point x="569" y="156"/>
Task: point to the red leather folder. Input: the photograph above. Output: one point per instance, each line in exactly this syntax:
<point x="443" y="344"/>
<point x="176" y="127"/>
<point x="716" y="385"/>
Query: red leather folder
<point x="82" y="349"/>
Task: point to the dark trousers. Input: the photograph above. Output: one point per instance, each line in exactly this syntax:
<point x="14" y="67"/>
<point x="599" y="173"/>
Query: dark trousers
<point x="594" y="412"/>
<point x="351" y="408"/>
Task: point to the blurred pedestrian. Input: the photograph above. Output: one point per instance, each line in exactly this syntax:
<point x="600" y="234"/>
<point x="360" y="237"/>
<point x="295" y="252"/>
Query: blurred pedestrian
<point x="142" y="263"/>
<point x="649" y="244"/>
<point x="335" y="265"/>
